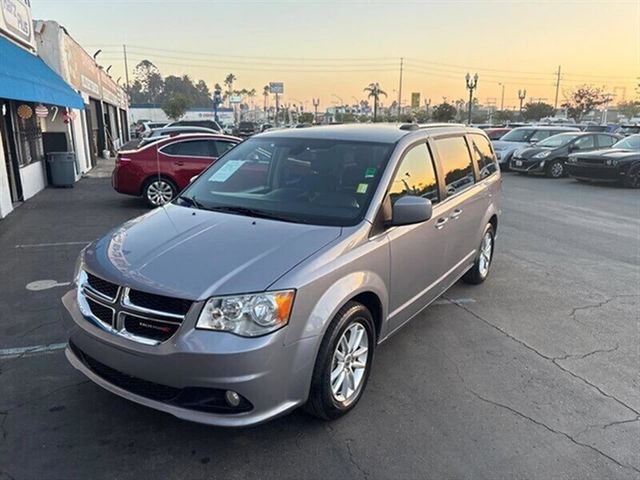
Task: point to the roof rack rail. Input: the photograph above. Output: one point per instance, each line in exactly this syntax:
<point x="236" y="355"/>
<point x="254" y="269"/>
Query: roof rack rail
<point x="421" y="126"/>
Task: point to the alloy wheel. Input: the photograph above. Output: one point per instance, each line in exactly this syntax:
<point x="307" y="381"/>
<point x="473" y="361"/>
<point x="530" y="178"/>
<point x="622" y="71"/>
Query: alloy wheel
<point x="486" y="251"/>
<point x="159" y="192"/>
<point x="349" y="363"/>
<point x="557" y="170"/>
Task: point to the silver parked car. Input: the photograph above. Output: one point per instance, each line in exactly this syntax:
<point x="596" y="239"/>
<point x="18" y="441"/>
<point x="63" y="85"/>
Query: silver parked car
<point x="270" y="281"/>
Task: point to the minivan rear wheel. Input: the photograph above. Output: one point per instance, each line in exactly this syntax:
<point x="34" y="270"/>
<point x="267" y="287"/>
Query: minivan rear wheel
<point x="159" y="191"/>
<point x="343" y="364"/>
<point x="480" y="270"/>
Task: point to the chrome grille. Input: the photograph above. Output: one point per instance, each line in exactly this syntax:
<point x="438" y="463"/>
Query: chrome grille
<point x="139" y="316"/>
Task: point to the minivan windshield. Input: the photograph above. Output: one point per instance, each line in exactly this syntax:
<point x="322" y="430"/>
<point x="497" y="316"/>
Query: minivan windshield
<point x="557" y="140"/>
<point x="629" y="143"/>
<point x="316" y="181"/>
<point x="518" y="135"/>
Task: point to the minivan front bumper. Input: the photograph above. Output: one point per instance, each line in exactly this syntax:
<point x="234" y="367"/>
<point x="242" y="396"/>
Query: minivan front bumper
<point x="272" y="376"/>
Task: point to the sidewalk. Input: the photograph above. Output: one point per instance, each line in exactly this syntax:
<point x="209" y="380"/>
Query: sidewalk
<point x="103" y="169"/>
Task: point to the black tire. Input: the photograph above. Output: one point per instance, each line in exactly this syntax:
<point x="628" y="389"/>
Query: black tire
<point x="322" y="403"/>
<point x="632" y="179"/>
<point x="556" y="169"/>
<point x="476" y="274"/>
<point x="159" y="184"/>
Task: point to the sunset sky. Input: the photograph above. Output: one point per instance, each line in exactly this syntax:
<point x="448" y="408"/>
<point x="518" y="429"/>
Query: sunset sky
<point x="332" y="49"/>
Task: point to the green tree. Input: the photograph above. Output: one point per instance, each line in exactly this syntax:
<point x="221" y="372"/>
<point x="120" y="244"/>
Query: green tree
<point x="629" y="109"/>
<point x="583" y="100"/>
<point x="537" y="110"/>
<point x="228" y="81"/>
<point x="265" y="94"/>
<point x="445" y="112"/>
<point x="306" y="117"/>
<point x="374" y="91"/>
<point x="176" y="106"/>
<point x="149" y="83"/>
<point x="503" y="116"/>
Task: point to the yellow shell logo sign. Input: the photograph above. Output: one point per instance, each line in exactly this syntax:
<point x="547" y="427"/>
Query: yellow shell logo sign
<point x="25" y="112"/>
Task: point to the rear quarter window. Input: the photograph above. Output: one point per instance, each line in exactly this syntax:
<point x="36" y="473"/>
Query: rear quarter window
<point x="483" y="155"/>
<point x="456" y="164"/>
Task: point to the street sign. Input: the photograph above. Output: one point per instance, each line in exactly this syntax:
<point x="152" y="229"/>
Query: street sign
<point x="235" y="99"/>
<point x="276" y="87"/>
<point x="415" y="100"/>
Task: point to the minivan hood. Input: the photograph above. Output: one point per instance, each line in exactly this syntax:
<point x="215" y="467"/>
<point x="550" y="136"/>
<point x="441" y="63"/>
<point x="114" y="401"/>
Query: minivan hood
<point x="194" y="254"/>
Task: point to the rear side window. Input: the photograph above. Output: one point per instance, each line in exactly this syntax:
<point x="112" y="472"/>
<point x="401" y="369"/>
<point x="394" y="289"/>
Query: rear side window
<point x="585" y="143"/>
<point x="416" y="176"/>
<point x="192" y="148"/>
<point x="456" y="164"/>
<point x="222" y="147"/>
<point x="542" y="134"/>
<point x="483" y="155"/>
<point x="606" y="140"/>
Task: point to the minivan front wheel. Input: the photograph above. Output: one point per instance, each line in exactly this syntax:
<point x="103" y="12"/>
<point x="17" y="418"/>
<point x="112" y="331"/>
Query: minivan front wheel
<point x="343" y="364"/>
<point x="159" y="191"/>
<point x="480" y="270"/>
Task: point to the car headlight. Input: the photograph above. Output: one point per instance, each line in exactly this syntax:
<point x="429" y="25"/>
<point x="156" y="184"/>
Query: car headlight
<point x="572" y="160"/>
<point x="249" y="315"/>
<point x="79" y="267"/>
<point x="542" y="154"/>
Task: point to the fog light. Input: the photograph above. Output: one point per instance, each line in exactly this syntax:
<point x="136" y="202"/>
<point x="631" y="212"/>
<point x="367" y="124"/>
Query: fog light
<point x="232" y="398"/>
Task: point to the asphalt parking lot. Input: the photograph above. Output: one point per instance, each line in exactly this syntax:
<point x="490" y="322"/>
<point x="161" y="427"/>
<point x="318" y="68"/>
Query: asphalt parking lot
<point x="534" y="374"/>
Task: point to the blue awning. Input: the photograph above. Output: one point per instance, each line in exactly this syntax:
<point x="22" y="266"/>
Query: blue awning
<point x="23" y="76"/>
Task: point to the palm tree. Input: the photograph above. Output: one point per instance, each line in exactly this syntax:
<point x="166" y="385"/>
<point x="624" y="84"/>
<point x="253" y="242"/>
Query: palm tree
<point x="228" y="81"/>
<point x="265" y="94"/>
<point x="375" y="91"/>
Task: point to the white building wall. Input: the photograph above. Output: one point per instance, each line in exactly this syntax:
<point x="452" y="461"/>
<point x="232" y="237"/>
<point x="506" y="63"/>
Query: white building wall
<point x="6" y="205"/>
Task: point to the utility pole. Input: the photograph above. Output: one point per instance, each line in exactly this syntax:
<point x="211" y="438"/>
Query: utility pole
<point x="277" y="107"/>
<point x="126" y="67"/>
<point x="400" y="88"/>
<point x="522" y="94"/>
<point x="555" y="104"/>
<point x="502" y="98"/>
<point x="316" y="104"/>
<point x="472" y="84"/>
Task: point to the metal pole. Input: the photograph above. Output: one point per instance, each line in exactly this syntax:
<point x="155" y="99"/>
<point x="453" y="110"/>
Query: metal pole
<point x="277" y="107"/>
<point x="126" y="67"/>
<point x="555" y="104"/>
<point x="502" y="99"/>
<point x="400" y="88"/>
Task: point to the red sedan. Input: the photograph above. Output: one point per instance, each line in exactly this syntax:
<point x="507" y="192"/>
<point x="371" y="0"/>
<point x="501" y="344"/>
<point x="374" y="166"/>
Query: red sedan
<point x="158" y="171"/>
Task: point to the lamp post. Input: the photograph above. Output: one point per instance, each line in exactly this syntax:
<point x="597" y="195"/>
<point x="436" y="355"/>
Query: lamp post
<point x="472" y="84"/>
<point x="316" y="104"/>
<point x="217" y="100"/>
<point x="502" y="97"/>
<point x="522" y="94"/>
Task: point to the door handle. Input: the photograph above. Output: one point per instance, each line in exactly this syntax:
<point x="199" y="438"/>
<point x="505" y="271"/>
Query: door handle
<point x="456" y="214"/>
<point x="441" y="223"/>
<point x="180" y="164"/>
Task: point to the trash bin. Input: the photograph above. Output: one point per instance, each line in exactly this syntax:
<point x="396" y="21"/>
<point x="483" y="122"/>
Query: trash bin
<point x="62" y="167"/>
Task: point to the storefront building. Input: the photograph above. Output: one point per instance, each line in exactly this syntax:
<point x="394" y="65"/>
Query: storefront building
<point x="103" y="125"/>
<point x="31" y="94"/>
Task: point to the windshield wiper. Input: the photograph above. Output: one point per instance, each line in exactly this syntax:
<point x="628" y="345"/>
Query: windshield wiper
<point x="193" y="202"/>
<point x="251" y="212"/>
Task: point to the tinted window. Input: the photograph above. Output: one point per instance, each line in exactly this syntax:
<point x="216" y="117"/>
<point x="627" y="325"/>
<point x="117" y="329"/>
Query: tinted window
<point x="481" y="150"/>
<point x="606" y="140"/>
<point x="192" y="148"/>
<point x="456" y="164"/>
<point x="585" y="143"/>
<point x="416" y="176"/>
<point x="222" y="147"/>
<point x="542" y="134"/>
<point x="518" y="135"/>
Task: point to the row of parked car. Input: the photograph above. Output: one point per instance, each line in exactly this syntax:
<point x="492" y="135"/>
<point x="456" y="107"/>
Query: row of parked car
<point x="558" y="151"/>
<point x="162" y="162"/>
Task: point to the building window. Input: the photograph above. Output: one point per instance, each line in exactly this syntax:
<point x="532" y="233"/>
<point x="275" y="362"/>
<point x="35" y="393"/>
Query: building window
<point x="28" y="136"/>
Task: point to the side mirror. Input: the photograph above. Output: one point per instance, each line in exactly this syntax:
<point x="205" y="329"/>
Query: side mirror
<point x="191" y="180"/>
<point x="409" y="210"/>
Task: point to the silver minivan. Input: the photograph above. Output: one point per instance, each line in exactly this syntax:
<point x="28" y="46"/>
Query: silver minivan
<point x="270" y="281"/>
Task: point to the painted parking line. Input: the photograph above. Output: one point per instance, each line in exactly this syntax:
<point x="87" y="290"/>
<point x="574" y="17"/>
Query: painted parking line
<point x="33" y="350"/>
<point x="46" y="245"/>
<point x="40" y="285"/>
